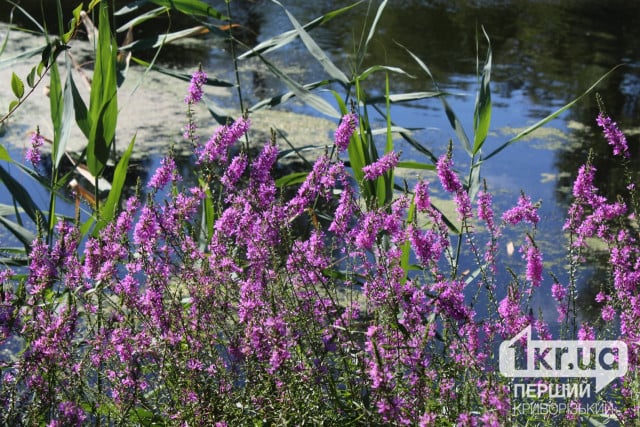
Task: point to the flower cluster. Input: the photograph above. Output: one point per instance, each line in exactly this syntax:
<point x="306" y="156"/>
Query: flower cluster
<point x="232" y="301"/>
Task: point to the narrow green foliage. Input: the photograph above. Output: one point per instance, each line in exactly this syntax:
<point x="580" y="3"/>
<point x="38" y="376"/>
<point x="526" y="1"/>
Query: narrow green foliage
<point x="482" y="110"/>
<point x="551" y="116"/>
<point x="315" y="50"/>
<point x="191" y="7"/>
<point x="112" y="205"/>
<point x="103" y="107"/>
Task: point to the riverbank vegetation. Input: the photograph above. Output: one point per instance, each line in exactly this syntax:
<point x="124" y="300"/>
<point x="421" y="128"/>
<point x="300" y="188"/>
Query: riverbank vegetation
<point x="236" y="294"/>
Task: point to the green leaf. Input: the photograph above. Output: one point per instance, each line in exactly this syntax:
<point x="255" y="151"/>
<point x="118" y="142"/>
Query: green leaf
<point x="17" y="86"/>
<point x="291" y="179"/>
<point x="13" y="104"/>
<point x="4" y="154"/>
<point x="315" y="50"/>
<point x="74" y="23"/>
<point x="182" y="76"/>
<point x="103" y="106"/>
<point x="163" y="39"/>
<point x="25" y="236"/>
<point x="385" y="68"/>
<point x="141" y="18"/>
<point x="283" y="97"/>
<point x="56" y="103"/>
<point x="80" y="108"/>
<point x="191" y="7"/>
<point x="456" y="124"/>
<point x="110" y="207"/>
<point x="372" y="30"/>
<point x="67" y="118"/>
<point x="551" y="116"/>
<point x="288" y="36"/>
<point x="31" y="77"/>
<point x="482" y="110"/>
<point x="20" y="194"/>
<point x="416" y="165"/>
<point x="314" y="101"/>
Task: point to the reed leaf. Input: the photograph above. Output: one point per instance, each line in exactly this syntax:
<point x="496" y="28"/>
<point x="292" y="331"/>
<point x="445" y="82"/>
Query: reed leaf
<point x="309" y="98"/>
<point x="103" y="106"/>
<point x="315" y="50"/>
<point x="287" y="37"/>
<point x="191" y="7"/>
<point x="455" y="123"/>
<point x="482" y="109"/>
<point x="551" y="116"/>
<point x="21" y="195"/>
<point x="110" y="207"/>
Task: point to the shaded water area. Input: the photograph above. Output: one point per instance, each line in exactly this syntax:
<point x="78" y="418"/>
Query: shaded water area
<point x="545" y="53"/>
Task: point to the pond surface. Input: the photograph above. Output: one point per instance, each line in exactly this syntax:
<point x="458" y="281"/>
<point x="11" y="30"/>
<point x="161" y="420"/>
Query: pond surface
<point x="545" y="54"/>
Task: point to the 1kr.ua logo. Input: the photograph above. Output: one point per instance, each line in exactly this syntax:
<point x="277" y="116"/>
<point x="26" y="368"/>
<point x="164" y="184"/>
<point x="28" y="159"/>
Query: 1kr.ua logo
<point x="602" y="360"/>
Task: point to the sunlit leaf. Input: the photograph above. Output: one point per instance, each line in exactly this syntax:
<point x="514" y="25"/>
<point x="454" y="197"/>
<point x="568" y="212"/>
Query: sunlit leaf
<point x="416" y="165"/>
<point x="191" y="7"/>
<point x="17" y="86"/>
<point x="110" y="207"/>
<point x="309" y="98"/>
<point x="4" y="154"/>
<point x="482" y="110"/>
<point x="287" y="37"/>
<point x="315" y="50"/>
<point x="291" y="179"/>
<point x="551" y="116"/>
<point x="103" y="107"/>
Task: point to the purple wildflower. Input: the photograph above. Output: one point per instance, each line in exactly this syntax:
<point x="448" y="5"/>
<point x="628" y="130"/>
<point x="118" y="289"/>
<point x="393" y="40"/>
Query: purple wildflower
<point x="344" y="212"/>
<point x="381" y="166"/>
<point x="33" y="153"/>
<point x="198" y="79"/>
<point x="165" y="173"/>
<point x="614" y="135"/>
<point x="448" y="178"/>
<point x="485" y="211"/>
<point x="534" y="263"/>
<point x="234" y="171"/>
<point x="523" y="211"/>
<point x="345" y="130"/>
<point x="422" y="200"/>
<point x="223" y="137"/>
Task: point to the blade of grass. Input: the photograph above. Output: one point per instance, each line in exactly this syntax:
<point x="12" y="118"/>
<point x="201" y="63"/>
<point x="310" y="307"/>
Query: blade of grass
<point x="482" y="110"/>
<point x="191" y="7"/>
<point x="181" y="76"/>
<point x="315" y="50"/>
<point x="456" y="124"/>
<point x="25" y="236"/>
<point x="110" y="207"/>
<point x="103" y="107"/>
<point x="21" y="195"/>
<point x="551" y="116"/>
<point x="287" y="37"/>
<point x="309" y="98"/>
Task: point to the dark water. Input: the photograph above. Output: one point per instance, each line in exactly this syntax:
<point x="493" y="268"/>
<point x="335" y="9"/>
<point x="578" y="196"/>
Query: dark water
<point x="545" y="53"/>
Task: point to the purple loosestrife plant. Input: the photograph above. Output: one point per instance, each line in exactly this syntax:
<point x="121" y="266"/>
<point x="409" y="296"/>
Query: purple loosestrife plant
<point x="365" y="316"/>
<point x="383" y="165"/>
<point x="347" y="127"/>
<point x="33" y="152"/>
<point x="614" y="135"/>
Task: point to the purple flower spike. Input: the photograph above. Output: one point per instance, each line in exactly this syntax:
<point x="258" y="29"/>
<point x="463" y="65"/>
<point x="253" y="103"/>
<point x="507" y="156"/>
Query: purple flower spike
<point x="381" y="166"/>
<point x="345" y="130"/>
<point x="33" y="153"/>
<point x="614" y="135"/>
<point x="198" y="79"/>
